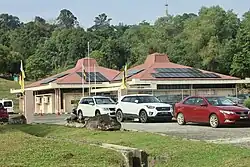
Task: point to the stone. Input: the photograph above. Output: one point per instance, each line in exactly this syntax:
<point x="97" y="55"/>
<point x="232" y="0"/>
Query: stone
<point x="102" y="122"/>
<point x="133" y="157"/>
<point x="20" y="119"/>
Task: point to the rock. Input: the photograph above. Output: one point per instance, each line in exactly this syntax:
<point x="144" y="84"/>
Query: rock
<point x="20" y="119"/>
<point x="102" y="122"/>
<point x="133" y="156"/>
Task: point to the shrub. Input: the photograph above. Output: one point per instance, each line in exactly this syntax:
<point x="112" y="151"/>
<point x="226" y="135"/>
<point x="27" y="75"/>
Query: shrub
<point x="247" y="103"/>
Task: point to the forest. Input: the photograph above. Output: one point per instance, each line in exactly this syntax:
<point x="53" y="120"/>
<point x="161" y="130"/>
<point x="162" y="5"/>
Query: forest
<point x="213" y="39"/>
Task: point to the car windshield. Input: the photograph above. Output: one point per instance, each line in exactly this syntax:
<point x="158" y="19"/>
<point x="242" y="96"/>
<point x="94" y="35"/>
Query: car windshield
<point x="220" y="101"/>
<point x="148" y="99"/>
<point x="104" y="101"/>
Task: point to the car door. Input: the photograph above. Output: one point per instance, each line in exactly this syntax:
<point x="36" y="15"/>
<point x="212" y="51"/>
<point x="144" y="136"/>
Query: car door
<point x="187" y="108"/>
<point x="86" y="107"/>
<point x="90" y="107"/>
<point x="134" y="106"/>
<point x="124" y="105"/>
<point x="200" y="111"/>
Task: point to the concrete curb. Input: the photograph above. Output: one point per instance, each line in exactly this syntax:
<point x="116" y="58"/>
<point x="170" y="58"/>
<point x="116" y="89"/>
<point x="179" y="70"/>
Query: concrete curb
<point x="133" y="156"/>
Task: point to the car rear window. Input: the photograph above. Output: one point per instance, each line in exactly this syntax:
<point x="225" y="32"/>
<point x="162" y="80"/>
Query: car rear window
<point x="7" y="104"/>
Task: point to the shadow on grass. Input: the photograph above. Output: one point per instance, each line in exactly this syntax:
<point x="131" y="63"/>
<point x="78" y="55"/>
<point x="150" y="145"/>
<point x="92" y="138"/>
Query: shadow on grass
<point x="39" y="130"/>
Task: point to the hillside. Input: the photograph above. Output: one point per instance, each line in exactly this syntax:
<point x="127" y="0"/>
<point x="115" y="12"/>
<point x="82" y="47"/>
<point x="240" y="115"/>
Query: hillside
<point x="5" y="86"/>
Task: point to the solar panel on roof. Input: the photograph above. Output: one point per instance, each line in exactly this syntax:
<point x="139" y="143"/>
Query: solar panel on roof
<point x="177" y="70"/>
<point x="185" y="75"/>
<point x="61" y="75"/>
<point x="130" y="73"/>
<point x="46" y="81"/>
<point x="92" y="77"/>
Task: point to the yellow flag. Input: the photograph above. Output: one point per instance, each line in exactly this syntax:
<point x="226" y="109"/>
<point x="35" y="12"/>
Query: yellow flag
<point x="21" y="77"/>
<point x="124" y="78"/>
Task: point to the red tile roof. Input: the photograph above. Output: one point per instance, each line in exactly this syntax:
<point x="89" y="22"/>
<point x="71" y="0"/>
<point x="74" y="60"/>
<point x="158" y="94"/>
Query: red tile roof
<point x="158" y="60"/>
<point x="152" y="62"/>
<point x="73" y="77"/>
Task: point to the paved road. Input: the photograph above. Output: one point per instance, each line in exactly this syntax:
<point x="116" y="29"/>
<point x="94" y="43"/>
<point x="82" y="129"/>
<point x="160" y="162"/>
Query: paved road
<point x="238" y="134"/>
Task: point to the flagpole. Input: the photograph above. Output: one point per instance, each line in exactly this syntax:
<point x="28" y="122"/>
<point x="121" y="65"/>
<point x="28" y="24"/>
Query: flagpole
<point x="95" y="76"/>
<point x="82" y="80"/>
<point x="89" y="69"/>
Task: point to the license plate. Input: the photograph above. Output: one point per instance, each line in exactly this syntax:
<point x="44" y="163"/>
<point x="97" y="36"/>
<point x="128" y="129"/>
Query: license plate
<point x="244" y="117"/>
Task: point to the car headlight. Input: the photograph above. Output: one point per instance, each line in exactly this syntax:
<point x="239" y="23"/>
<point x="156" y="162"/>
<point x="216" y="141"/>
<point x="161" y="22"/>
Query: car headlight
<point x="106" y="109"/>
<point x="227" y="112"/>
<point x="150" y="107"/>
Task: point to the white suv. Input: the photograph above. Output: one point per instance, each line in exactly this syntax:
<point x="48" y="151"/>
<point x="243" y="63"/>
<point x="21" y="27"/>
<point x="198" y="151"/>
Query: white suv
<point x="145" y="107"/>
<point x="96" y="105"/>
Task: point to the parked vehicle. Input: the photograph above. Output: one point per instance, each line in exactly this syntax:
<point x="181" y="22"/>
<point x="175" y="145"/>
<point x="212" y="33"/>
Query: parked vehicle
<point x="171" y="99"/>
<point x="142" y="106"/>
<point x="243" y="97"/>
<point x="96" y="105"/>
<point x="236" y="100"/>
<point x="4" y="116"/>
<point x="8" y="104"/>
<point x="214" y="110"/>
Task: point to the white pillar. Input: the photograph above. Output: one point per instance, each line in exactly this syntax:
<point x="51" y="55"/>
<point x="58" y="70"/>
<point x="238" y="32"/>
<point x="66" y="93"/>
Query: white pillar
<point x="29" y="106"/>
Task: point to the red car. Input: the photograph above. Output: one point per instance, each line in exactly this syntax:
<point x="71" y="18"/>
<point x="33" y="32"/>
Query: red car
<point x="4" y="116"/>
<point x="214" y="110"/>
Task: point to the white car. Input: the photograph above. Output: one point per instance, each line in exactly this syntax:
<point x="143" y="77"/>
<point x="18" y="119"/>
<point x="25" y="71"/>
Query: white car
<point x="96" y="105"/>
<point x="8" y="104"/>
<point x="145" y="107"/>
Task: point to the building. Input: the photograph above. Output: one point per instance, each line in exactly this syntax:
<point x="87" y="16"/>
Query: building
<point x="158" y="76"/>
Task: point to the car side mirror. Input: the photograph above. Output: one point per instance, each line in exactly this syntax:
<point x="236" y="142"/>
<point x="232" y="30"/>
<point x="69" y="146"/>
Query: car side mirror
<point x="91" y="103"/>
<point x="136" y="101"/>
<point x="204" y="105"/>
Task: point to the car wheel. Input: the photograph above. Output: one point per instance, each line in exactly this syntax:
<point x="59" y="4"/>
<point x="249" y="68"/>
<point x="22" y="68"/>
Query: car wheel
<point x="97" y="113"/>
<point x="143" y="116"/>
<point x="119" y="116"/>
<point x="214" y="121"/>
<point x="80" y="114"/>
<point x="181" y="119"/>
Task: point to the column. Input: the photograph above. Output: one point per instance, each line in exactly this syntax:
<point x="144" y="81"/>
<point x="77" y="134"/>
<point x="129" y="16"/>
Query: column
<point x="29" y="106"/>
<point x="122" y="92"/>
<point x="59" y="101"/>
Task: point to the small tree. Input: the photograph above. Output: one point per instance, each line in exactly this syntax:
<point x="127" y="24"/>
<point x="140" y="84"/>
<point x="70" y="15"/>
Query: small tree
<point x="247" y="103"/>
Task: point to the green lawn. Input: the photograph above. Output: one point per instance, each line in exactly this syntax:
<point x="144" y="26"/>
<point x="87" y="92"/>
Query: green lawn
<point x="23" y="150"/>
<point x="168" y="151"/>
<point x="5" y="86"/>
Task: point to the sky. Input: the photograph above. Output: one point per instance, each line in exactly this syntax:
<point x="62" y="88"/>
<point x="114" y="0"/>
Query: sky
<point x="125" y="11"/>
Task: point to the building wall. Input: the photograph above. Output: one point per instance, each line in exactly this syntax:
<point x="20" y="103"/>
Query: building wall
<point x="45" y="104"/>
<point x="216" y="92"/>
<point x="21" y="104"/>
<point x="70" y="101"/>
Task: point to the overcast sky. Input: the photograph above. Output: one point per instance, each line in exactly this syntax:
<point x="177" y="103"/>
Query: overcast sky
<point x="126" y="11"/>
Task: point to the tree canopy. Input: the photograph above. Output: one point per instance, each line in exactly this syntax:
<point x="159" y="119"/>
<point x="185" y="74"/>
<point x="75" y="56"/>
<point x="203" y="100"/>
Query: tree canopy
<point x="214" y="40"/>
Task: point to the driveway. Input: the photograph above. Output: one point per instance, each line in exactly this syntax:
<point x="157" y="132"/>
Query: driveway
<point x="237" y="134"/>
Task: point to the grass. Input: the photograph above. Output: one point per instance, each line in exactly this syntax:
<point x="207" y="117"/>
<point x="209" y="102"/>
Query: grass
<point x="167" y="151"/>
<point x="5" y="86"/>
<point x="23" y="150"/>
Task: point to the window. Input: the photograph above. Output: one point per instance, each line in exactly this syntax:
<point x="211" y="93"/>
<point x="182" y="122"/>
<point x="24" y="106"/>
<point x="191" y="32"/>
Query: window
<point x="219" y="101"/>
<point x="104" y="101"/>
<point x="199" y="101"/>
<point x="126" y="99"/>
<point x="7" y="104"/>
<point x="133" y="99"/>
<point x="148" y="99"/>
<point x="87" y="101"/>
<point x="190" y="101"/>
